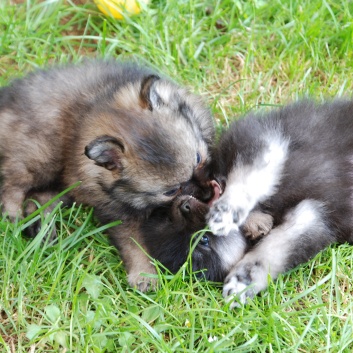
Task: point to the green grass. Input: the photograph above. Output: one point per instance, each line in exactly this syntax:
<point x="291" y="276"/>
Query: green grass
<point x="73" y="296"/>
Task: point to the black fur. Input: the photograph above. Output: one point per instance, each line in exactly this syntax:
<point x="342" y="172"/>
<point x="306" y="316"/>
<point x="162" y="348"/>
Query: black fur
<point x="311" y="202"/>
<point x="169" y="234"/>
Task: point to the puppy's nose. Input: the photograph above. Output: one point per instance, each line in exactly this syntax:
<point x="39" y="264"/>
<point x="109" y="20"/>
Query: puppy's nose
<point x="185" y="207"/>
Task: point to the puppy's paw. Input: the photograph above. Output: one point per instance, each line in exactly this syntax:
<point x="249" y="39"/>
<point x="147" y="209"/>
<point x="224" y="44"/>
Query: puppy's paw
<point x="243" y="282"/>
<point x="258" y="224"/>
<point x="223" y="218"/>
<point x="142" y="283"/>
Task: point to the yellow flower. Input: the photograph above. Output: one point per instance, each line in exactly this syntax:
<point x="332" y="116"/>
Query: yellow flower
<point x="119" y="8"/>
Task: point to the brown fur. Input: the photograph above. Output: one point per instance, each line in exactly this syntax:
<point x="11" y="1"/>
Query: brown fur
<point x="257" y="225"/>
<point x="132" y="138"/>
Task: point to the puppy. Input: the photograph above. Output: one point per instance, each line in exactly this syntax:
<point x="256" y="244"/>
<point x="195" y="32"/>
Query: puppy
<point x="169" y="235"/>
<point x="134" y="139"/>
<point x="295" y="164"/>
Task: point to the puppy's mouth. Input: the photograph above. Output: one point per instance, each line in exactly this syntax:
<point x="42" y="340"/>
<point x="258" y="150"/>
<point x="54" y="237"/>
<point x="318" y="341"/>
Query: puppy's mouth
<point x="218" y="188"/>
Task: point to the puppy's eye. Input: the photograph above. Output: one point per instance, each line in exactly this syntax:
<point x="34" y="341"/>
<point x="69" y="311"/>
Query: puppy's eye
<point x="198" y="158"/>
<point x="172" y="192"/>
<point x="204" y="241"/>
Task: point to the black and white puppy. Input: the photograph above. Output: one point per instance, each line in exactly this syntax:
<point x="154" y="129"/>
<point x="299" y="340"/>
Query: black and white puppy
<point x="295" y="164"/>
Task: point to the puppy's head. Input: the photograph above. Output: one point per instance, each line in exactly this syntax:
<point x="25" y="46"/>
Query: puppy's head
<point x="151" y="144"/>
<point x="169" y="236"/>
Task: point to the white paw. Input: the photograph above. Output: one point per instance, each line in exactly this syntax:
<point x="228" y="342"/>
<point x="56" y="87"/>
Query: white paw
<point x="235" y="292"/>
<point x="223" y="219"/>
<point x="243" y="282"/>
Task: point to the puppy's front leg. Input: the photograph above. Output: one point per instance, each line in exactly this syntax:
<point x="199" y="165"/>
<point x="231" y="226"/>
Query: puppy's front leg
<point x="248" y="183"/>
<point x="128" y="241"/>
<point x="301" y="236"/>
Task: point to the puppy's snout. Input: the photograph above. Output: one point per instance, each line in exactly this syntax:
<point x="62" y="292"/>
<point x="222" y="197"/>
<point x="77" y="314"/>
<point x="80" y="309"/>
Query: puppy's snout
<point x="185" y="207"/>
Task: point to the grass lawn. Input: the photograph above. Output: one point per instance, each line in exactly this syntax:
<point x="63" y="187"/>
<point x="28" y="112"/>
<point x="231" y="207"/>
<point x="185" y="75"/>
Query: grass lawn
<point x="74" y="297"/>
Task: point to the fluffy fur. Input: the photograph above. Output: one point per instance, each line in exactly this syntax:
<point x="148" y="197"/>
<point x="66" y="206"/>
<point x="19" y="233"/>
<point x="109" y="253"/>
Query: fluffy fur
<point x="295" y="164"/>
<point x="292" y="166"/>
<point x="134" y="139"/>
<point x="170" y="235"/>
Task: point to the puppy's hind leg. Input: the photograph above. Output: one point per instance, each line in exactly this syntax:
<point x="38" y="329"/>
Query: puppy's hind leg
<point x="17" y="181"/>
<point x="301" y="236"/>
<point x="22" y="170"/>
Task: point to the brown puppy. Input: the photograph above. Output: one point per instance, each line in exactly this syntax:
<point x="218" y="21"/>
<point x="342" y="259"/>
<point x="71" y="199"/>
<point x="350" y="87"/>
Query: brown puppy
<point x="133" y="139"/>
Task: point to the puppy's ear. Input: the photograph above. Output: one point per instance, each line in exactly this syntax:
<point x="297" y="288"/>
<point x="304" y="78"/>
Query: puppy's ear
<point x="106" y="151"/>
<point x="149" y="97"/>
